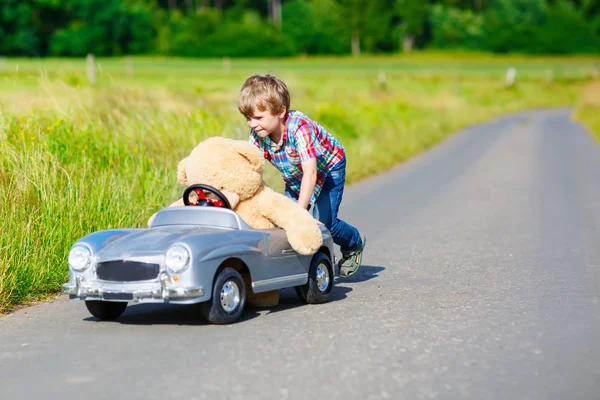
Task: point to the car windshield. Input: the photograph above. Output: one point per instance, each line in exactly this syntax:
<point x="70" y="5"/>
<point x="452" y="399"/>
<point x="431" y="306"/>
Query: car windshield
<point x="205" y="216"/>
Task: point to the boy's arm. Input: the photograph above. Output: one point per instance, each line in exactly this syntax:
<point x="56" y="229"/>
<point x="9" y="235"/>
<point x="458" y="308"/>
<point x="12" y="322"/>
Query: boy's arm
<point x="309" y="180"/>
<point x="305" y="140"/>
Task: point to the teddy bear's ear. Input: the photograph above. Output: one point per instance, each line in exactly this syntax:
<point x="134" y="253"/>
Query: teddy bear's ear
<point x="181" y="173"/>
<point x="251" y="153"/>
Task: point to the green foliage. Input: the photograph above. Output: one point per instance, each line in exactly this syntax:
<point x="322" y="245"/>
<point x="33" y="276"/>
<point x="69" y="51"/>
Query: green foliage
<point x="141" y="33"/>
<point x="413" y="14"/>
<point x="18" y="36"/>
<point x="337" y="118"/>
<point x="212" y="36"/>
<point x="510" y="25"/>
<point x="455" y="28"/>
<point x="535" y="27"/>
<point x="565" y="31"/>
<point x="299" y="26"/>
<point x="331" y="35"/>
<point x="376" y="35"/>
<point x="315" y="27"/>
<point x="109" y="27"/>
<point x="179" y="34"/>
<point x="369" y="23"/>
<point x="245" y="28"/>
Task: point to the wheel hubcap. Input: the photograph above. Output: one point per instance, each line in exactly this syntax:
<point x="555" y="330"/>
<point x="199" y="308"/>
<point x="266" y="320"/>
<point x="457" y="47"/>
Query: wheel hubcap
<point x="322" y="277"/>
<point x="230" y="296"/>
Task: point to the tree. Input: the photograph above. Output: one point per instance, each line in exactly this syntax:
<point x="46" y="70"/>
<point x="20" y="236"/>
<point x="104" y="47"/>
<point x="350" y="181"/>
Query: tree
<point x="510" y="24"/>
<point x="110" y="27"/>
<point x="361" y="15"/>
<point x="563" y="17"/>
<point x="453" y="28"/>
<point x="17" y="31"/>
<point x="354" y="11"/>
<point x="413" y="14"/>
<point x="275" y="11"/>
<point x="300" y="21"/>
<point x="330" y="33"/>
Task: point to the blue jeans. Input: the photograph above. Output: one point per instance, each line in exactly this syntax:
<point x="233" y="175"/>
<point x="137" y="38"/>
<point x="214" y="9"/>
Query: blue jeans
<point x="328" y="204"/>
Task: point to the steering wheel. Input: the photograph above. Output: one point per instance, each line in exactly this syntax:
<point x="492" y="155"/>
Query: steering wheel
<point x="203" y="200"/>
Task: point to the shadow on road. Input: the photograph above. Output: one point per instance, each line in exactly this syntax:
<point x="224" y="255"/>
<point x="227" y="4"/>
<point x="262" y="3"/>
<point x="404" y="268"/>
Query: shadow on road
<point x="166" y="314"/>
<point x="189" y="314"/>
<point x="288" y="299"/>
<point x="365" y="273"/>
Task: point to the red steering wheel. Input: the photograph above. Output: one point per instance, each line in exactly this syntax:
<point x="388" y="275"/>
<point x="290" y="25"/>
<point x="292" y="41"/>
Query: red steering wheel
<point x="204" y="200"/>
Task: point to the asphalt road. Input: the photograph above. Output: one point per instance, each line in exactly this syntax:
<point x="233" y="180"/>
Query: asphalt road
<point x="482" y="281"/>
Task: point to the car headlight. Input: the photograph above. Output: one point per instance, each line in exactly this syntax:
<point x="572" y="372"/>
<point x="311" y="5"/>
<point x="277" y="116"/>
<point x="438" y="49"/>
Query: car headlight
<point x="177" y="257"/>
<point x="80" y="257"/>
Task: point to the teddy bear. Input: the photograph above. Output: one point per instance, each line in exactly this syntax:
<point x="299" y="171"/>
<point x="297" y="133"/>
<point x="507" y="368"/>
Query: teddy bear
<point x="235" y="167"/>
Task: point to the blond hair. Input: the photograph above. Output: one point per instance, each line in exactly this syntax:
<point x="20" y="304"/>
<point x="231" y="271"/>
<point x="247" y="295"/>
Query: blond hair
<point x="265" y="92"/>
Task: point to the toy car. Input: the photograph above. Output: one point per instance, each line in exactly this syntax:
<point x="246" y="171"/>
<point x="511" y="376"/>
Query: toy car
<point x="197" y="253"/>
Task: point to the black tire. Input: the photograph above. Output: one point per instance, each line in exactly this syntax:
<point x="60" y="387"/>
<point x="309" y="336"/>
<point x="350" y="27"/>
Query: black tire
<point x="214" y="310"/>
<point x="310" y="293"/>
<point x="106" y="310"/>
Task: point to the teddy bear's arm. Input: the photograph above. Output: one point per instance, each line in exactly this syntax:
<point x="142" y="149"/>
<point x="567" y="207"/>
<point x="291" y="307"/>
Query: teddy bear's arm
<point x="178" y="203"/>
<point x="301" y="228"/>
<point x="279" y="209"/>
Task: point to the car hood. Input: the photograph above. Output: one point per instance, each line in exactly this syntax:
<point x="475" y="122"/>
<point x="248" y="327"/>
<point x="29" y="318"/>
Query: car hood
<point x="150" y="245"/>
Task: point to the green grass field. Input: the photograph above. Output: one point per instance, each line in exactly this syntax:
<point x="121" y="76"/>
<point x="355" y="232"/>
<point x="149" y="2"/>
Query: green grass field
<point x="76" y="158"/>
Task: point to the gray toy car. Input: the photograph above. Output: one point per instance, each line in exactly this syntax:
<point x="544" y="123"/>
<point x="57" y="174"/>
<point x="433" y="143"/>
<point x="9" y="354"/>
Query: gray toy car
<point x="199" y="253"/>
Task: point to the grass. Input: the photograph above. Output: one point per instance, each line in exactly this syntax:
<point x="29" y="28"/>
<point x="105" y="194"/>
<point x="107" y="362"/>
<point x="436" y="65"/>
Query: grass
<point x="77" y="158"/>
<point x="588" y="108"/>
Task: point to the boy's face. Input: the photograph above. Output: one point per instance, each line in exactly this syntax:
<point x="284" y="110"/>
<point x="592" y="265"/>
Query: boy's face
<point x="264" y="123"/>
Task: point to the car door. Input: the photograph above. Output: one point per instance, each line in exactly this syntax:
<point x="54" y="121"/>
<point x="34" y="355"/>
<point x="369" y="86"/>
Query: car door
<point x="283" y="260"/>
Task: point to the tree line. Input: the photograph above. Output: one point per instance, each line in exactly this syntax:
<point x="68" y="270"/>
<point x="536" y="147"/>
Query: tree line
<point x="271" y="28"/>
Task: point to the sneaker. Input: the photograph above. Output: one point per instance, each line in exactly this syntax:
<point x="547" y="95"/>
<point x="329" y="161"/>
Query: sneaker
<point x="352" y="258"/>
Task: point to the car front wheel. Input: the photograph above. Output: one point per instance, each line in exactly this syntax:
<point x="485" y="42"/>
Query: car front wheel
<point x="320" y="281"/>
<point x="105" y="310"/>
<point x="228" y="298"/>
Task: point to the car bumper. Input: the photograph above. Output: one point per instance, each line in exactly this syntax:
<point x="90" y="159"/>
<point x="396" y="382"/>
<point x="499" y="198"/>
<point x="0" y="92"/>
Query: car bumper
<point x="156" y="292"/>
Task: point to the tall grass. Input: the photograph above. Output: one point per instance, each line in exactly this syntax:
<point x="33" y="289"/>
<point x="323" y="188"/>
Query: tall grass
<point x="588" y="108"/>
<point x="75" y="159"/>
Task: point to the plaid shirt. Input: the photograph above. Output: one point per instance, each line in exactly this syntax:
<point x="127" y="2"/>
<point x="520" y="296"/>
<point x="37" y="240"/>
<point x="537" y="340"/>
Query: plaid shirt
<point x="302" y="139"/>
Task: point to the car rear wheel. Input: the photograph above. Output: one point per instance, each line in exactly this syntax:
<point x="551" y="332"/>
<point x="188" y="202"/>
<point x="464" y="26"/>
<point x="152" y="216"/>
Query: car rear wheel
<point x="320" y="281"/>
<point x="105" y="310"/>
<point x="228" y="298"/>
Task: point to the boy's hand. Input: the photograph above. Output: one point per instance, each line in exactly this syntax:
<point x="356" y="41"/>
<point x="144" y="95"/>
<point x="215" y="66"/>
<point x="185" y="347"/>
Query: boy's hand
<point x="319" y="222"/>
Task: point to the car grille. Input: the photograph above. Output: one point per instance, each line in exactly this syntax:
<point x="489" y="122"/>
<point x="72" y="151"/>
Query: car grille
<point x="127" y="271"/>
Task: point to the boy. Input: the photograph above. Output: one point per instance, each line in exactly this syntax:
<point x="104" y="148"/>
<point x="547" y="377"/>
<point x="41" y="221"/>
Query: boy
<point x="311" y="161"/>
